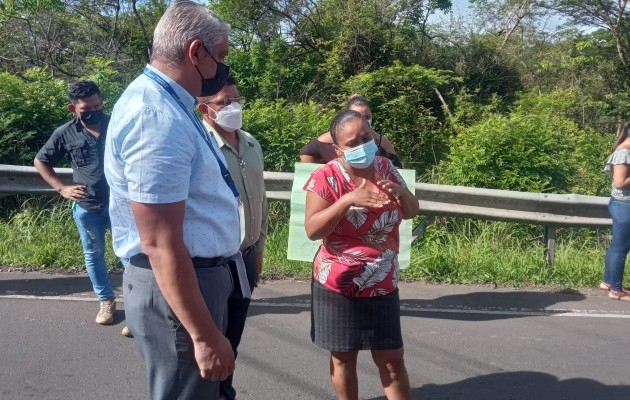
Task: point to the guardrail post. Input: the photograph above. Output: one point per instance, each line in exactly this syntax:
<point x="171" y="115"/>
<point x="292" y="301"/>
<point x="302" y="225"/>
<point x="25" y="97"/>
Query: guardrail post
<point x="422" y="226"/>
<point x="550" y="243"/>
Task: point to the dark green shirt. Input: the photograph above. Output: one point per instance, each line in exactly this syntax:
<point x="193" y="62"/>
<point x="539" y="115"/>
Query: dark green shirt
<point x="86" y="159"/>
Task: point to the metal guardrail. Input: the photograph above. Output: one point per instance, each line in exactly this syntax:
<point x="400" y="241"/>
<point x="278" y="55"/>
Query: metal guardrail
<point x="549" y="210"/>
<point x="502" y="205"/>
<point x="15" y="179"/>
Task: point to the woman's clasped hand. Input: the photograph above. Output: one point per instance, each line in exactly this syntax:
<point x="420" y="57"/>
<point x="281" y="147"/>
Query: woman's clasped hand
<point x="362" y="197"/>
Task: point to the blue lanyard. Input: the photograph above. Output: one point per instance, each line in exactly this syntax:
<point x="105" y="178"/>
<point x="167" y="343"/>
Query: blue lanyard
<point x="200" y="128"/>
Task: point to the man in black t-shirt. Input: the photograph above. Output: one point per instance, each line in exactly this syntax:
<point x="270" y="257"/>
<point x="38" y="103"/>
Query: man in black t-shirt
<point x="83" y="140"/>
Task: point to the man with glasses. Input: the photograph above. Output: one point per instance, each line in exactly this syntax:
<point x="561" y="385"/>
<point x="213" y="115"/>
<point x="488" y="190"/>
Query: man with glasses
<point x="83" y="140"/>
<point x="223" y="117"/>
<point x="175" y="208"/>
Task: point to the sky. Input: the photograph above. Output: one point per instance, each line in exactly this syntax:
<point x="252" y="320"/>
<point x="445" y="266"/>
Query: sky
<point x="461" y="9"/>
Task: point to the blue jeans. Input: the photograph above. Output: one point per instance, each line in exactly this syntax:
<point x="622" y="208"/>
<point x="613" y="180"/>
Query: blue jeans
<point x="620" y="245"/>
<point x="92" y="226"/>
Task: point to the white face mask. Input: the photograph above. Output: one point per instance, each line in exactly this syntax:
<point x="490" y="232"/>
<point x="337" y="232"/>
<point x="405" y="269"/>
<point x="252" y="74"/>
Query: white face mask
<point x="230" y="117"/>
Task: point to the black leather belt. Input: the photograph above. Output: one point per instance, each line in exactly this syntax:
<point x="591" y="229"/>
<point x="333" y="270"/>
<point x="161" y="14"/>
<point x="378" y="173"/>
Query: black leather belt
<point x="141" y="260"/>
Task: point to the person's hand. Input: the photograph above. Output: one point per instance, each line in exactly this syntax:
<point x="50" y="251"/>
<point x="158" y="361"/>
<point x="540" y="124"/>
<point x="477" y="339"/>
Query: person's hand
<point x="73" y="192"/>
<point x="360" y="197"/>
<point x="391" y="188"/>
<point x="215" y="358"/>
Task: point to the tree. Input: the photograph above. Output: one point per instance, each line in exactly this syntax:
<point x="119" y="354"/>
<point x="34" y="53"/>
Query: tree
<point x="504" y="17"/>
<point x="407" y="111"/>
<point x="339" y="38"/>
<point x="59" y="35"/>
<point x="613" y="15"/>
<point x="275" y="70"/>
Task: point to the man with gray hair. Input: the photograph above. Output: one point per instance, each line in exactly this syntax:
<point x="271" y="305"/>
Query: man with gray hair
<point x="175" y="209"/>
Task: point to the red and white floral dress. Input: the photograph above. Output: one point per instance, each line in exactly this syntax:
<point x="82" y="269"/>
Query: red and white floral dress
<point x="360" y="257"/>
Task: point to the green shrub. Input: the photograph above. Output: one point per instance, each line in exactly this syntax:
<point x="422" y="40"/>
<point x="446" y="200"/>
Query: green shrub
<point x="275" y="70"/>
<point x="282" y="129"/>
<point x="32" y="107"/>
<point x="407" y="111"/>
<point x="535" y="148"/>
<point x="511" y="153"/>
<point x="30" y="110"/>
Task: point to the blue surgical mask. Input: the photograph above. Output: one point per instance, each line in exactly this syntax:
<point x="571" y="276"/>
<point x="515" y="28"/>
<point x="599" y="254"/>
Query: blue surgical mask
<point x="361" y="156"/>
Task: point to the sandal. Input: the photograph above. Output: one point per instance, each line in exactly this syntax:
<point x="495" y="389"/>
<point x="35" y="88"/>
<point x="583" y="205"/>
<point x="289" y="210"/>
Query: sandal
<point x="623" y="296"/>
<point x="608" y="288"/>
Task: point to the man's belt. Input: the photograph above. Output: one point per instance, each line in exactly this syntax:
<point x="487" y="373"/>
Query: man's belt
<point x="141" y="260"/>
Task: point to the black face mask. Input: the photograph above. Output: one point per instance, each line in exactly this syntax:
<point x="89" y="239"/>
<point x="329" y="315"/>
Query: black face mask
<point x="92" y="117"/>
<point x="212" y="86"/>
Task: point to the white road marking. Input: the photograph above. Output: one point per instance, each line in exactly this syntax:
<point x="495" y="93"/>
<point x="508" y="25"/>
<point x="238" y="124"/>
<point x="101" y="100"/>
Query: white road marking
<point x="60" y="298"/>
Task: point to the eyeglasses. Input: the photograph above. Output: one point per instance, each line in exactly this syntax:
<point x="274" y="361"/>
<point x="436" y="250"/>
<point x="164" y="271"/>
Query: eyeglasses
<point x="227" y="101"/>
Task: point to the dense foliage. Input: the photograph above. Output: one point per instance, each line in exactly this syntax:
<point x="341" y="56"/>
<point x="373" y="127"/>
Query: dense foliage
<point x="282" y="129"/>
<point x="535" y="147"/>
<point x="499" y="99"/>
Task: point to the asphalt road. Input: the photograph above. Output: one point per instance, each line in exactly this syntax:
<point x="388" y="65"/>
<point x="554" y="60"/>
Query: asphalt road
<point x="461" y="342"/>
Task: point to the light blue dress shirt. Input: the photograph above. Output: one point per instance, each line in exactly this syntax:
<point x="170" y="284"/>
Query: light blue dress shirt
<point x="154" y="154"/>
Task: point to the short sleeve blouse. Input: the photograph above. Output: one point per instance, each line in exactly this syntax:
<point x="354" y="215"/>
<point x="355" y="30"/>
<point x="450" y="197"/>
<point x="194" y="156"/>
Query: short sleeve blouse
<point x="360" y="257"/>
<point x="619" y="156"/>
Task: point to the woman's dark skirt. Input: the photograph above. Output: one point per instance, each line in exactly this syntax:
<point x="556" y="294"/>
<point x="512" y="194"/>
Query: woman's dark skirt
<point x="340" y="323"/>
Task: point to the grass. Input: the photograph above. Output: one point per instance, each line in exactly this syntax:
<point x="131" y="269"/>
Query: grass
<point x="275" y="264"/>
<point x="473" y="252"/>
<point x="42" y="236"/>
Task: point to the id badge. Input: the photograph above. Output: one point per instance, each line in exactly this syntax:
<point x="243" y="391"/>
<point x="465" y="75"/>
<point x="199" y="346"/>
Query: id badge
<point x="241" y="219"/>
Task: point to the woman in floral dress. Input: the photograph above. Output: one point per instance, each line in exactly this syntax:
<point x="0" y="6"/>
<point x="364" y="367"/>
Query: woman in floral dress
<point x="355" y="204"/>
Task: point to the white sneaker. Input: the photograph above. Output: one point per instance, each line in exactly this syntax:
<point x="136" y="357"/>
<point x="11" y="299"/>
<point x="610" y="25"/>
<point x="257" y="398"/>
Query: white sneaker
<point x="126" y="333"/>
